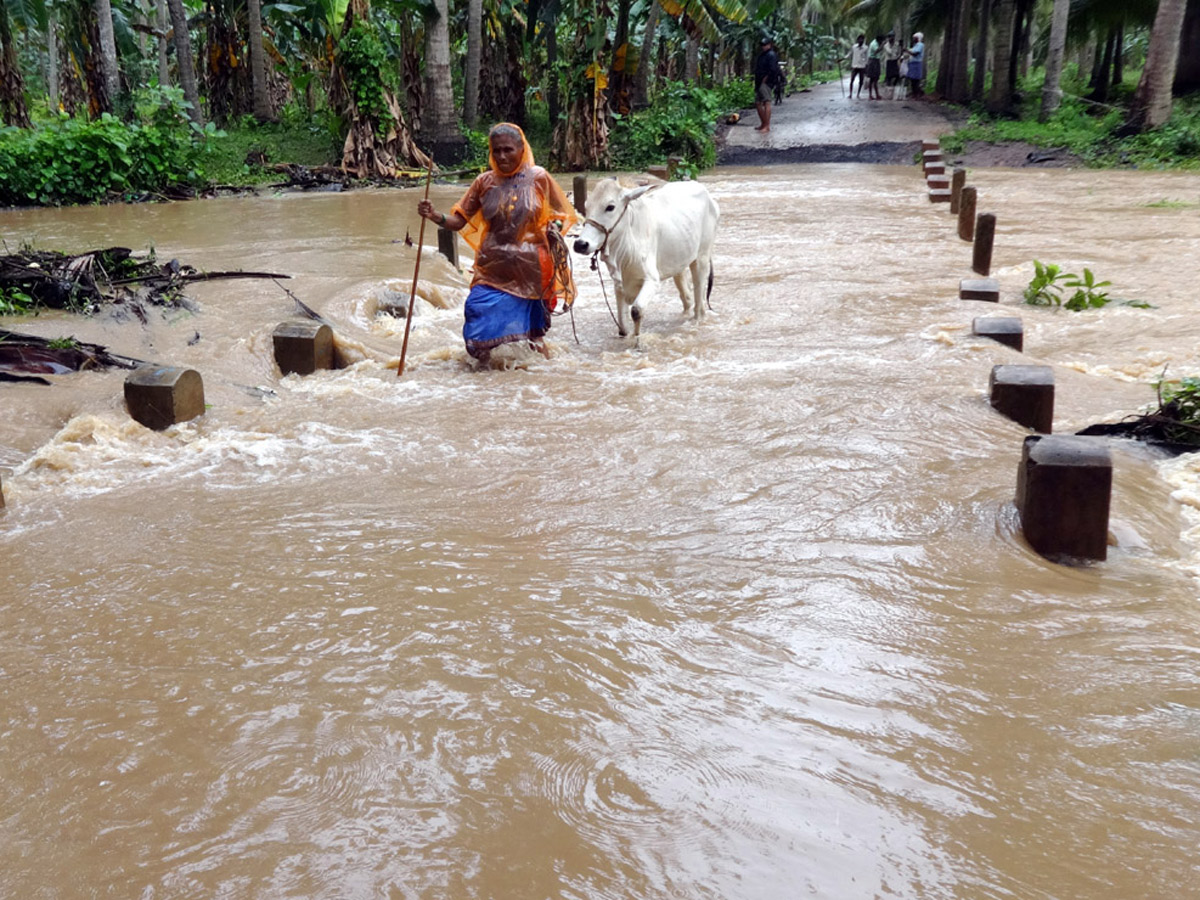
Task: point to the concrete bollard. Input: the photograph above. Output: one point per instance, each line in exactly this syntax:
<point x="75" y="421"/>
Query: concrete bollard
<point x="448" y="245"/>
<point x="659" y="172"/>
<point x="957" y="182"/>
<point x="303" y="346"/>
<point x="985" y="289"/>
<point x="931" y="144"/>
<point x="580" y="186"/>
<point x="985" y="236"/>
<point x="1064" y="491"/>
<point x="1" y="493"/>
<point x="966" y="214"/>
<point x="161" y="396"/>
<point x="1008" y="330"/>
<point x="938" y="181"/>
<point x="1025" y="394"/>
<point x="939" y="195"/>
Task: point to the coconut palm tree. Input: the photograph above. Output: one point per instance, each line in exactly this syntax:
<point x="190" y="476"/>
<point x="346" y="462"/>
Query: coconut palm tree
<point x="439" y="127"/>
<point x="109" y="70"/>
<point x="1151" y="105"/>
<point x="260" y="100"/>
<point x="183" y="54"/>
<point x="13" y="109"/>
<point x="1051" y="88"/>
<point x="474" y="60"/>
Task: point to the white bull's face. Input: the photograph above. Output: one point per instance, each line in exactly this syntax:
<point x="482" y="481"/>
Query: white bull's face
<point x="605" y="208"/>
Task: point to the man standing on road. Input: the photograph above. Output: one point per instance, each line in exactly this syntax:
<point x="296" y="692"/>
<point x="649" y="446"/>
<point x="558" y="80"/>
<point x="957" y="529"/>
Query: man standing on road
<point x="874" y="58"/>
<point x="858" y="65"/>
<point x="766" y="73"/>
<point x="891" y="63"/>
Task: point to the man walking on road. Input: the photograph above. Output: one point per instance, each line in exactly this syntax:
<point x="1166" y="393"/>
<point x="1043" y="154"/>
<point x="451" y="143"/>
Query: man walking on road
<point x="858" y="65"/>
<point x="766" y="74"/>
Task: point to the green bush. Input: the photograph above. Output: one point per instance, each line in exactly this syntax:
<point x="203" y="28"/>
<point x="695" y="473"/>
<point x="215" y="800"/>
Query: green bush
<point x="680" y="122"/>
<point x="74" y="161"/>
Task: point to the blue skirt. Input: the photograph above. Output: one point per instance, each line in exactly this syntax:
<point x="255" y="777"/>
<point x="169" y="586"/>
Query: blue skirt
<point x="494" y="317"/>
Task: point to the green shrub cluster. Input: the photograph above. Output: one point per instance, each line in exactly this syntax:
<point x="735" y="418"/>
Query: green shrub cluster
<point x="680" y="122"/>
<point x="74" y="161"/>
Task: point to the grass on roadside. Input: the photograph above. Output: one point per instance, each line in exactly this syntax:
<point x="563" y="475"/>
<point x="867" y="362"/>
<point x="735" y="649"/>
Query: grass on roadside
<point x="296" y="138"/>
<point x="1088" y="129"/>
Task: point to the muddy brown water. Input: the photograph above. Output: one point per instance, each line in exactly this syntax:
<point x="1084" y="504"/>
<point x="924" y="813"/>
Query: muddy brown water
<point x="743" y="613"/>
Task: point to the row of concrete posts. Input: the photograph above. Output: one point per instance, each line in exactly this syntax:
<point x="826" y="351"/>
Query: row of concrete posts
<point x="1064" y="482"/>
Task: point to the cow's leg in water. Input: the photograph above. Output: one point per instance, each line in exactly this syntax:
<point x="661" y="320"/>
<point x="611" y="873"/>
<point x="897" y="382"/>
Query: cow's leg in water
<point x="683" y="283"/>
<point x="622" y="291"/>
<point x="645" y="292"/>
<point x="699" y="269"/>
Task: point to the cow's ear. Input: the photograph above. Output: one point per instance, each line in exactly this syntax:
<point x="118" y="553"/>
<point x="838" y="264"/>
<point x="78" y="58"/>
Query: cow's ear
<point x="632" y="195"/>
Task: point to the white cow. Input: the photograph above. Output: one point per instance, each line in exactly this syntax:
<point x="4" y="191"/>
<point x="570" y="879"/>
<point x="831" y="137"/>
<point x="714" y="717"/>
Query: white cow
<point x="649" y="233"/>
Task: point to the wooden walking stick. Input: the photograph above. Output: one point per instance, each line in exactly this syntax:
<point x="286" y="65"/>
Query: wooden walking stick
<point x="412" y="297"/>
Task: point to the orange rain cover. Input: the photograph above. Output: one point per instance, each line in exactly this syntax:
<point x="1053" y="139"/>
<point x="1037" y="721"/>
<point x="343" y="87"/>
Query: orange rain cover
<point x="507" y="217"/>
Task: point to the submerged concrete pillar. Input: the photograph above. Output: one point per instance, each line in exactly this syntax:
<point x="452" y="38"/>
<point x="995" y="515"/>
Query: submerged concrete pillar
<point x="1" y="493"/>
<point x="448" y="245"/>
<point x="985" y="236"/>
<point x="161" y="396"/>
<point x="1007" y="330"/>
<point x="1064" y="491"/>
<point x="303" y="346"/>
<point x="661" y="172"/>
<point x="966" y="214"/>
<point x="580" y="186"/>
<point x="938" y="181"/>
<point x="986" y="289"/>
<point x="957" y="182"/>
<point x="930" y="144"/>
<point x="934" y="165"/>
<point x="1025" y="394"/>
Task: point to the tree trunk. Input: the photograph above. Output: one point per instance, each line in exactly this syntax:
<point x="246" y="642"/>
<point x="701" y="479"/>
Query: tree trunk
<point x="110" y="74"/>
<point x="1000" y="97"/>
<point x="1052" y="87"/>
<point x="440" y="128"/>
<point x="183" y="54"/>
<point x="641" y="81"/>
<point x="952" y="83"/>
<point x="260" y="100"/>
<point x="1118" y="69"/>
<point x="981" y="50"/>
<point x="164" y="28"/>
<point x="691" y="65"/>
<point x="1102" y="71"/>
<point x="1151" y="105"/>
<point x="13" y="110"/>
<point x="474" y="58"/>
<point x="52" y="57"/>
<point x="553" y="98"/>
<point x="1187" y="69"/>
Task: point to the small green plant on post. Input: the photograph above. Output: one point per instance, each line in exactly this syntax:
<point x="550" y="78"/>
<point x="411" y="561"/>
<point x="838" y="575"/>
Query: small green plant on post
<point x="1179" y="407"/>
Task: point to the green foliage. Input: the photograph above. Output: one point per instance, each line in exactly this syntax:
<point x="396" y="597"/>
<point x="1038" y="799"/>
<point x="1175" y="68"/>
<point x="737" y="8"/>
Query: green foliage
<point x="65" y="343"/>
<point x="1049" y="280"/>
<point x="1088" y="293"/>
<point x="296" y="138"/>
<point x="680" y="122"/>
<point x="74" y="161"/>
<point x="1089" y="131"/>
<point x="364" y="61"/>
<point x="15" y="302"/>
<point x="1179" y="401"/>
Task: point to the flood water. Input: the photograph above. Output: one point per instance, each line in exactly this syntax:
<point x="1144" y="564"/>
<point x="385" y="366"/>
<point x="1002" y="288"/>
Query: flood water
<point x="741" y="613"/>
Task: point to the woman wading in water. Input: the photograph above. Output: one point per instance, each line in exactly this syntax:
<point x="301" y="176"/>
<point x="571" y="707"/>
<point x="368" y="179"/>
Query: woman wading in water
<point x="506" y="216"/>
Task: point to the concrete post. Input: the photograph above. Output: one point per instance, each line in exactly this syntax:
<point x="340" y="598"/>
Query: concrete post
<point x="448" y="245"/>
<point x="1008" y="330"/>
<point x="986" y="289"/>
<point x="661" y="172"/>
<point x="161" y="396"/>
<point x="957" y="182"/>
<point x="930" y="144"/>
<point x="938" y="181"/>
<point x="580" y="185"/>
<point x="1025" y="394"/>
<point x="1064" y="490"/>
<point x="939" y="194"/>
<point x="1" y="494"/>
<point x="303" y="346"/>
<point x="985" y="236"/>
<point x="966" y="214"/>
